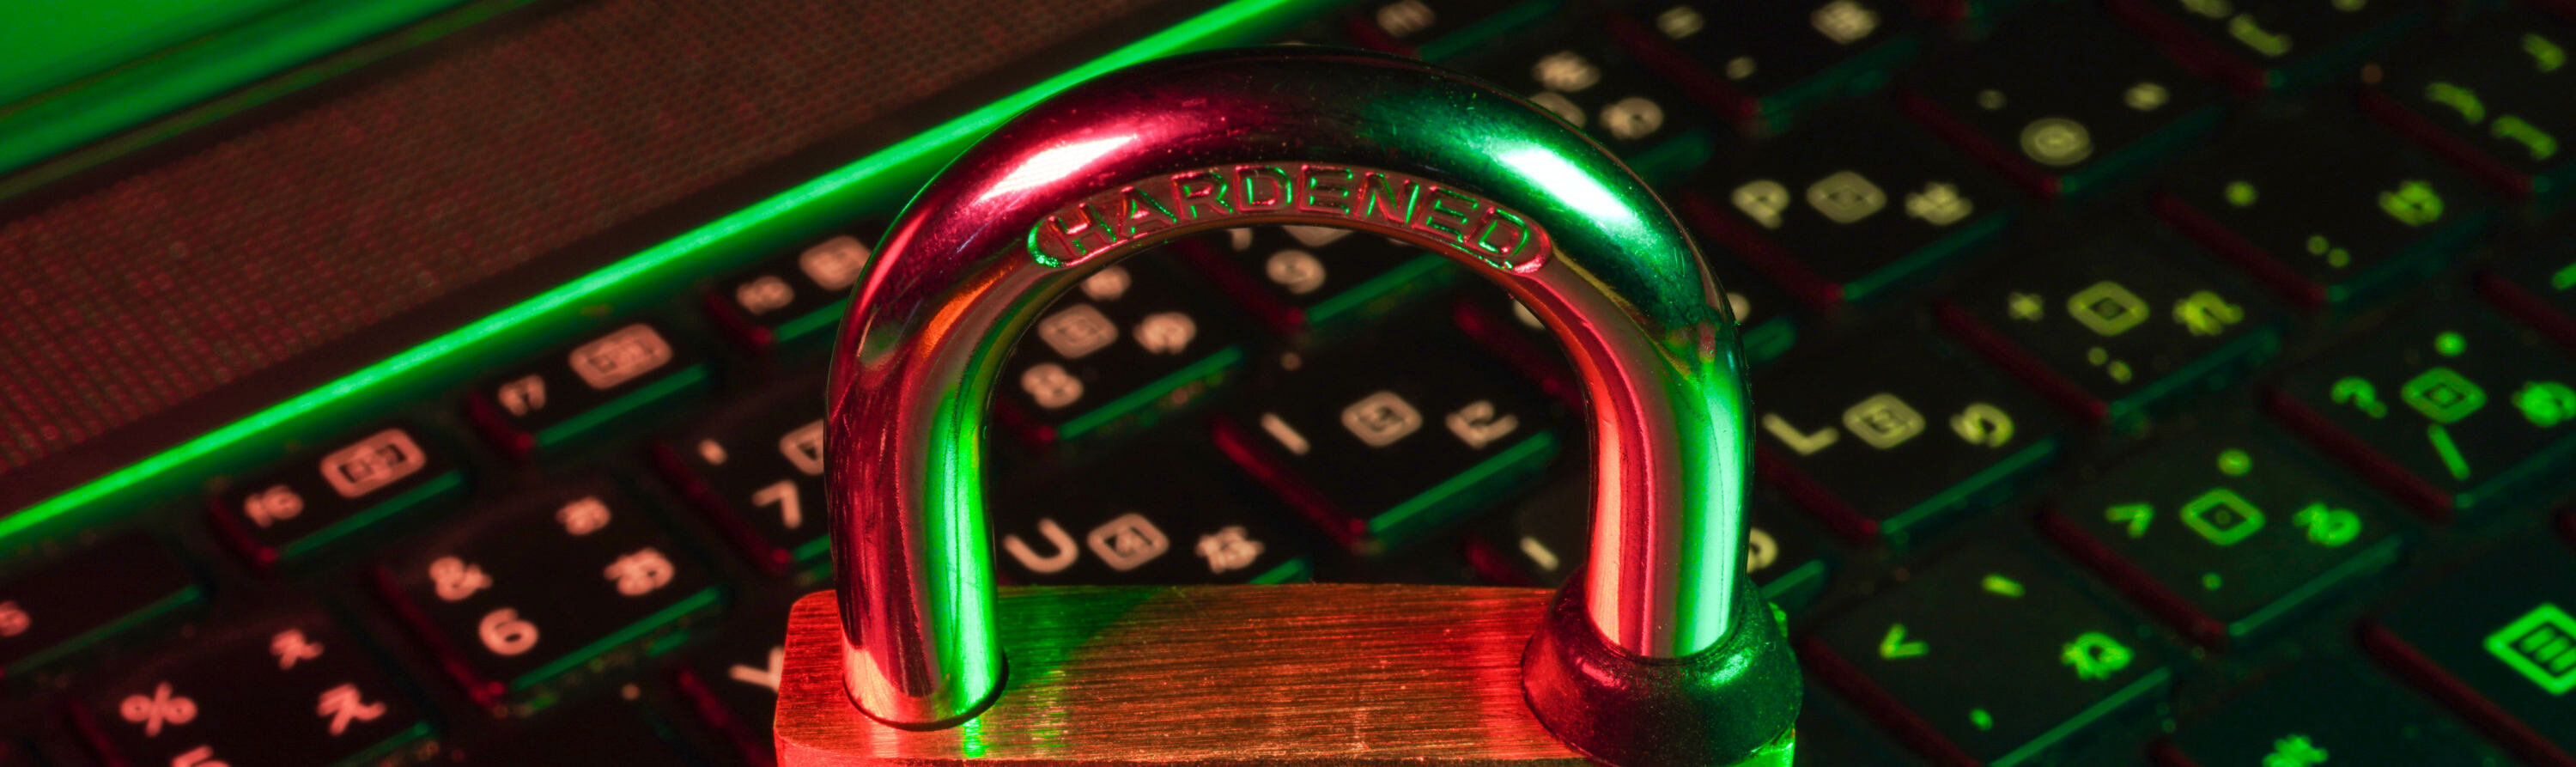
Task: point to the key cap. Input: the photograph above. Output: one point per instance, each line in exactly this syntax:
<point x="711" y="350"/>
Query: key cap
<point x="2495" y="642"/>
<point x="1571" y="68"/>
<point x="1547" y="536"/>
<point x="2320" y="712"/>
<point x="1762" y="64"/>
<point x="1129" y="347"/>
<point x="2109" y="326"/>
<point x="1886" y="433"/>
<point x="1197" y="520"/>
<point x="2537" y="287"/>
<point x="1986" y="657"/>
<point x="1382" y="455"/>
<point x="733" y="683"/>
<point x="601" y="731"/>
<point x="2061" y="100"/>
<point x="2222" y="533"/>
<point x="2446" y="407"/>
<point x="2267" y="45"/>
<point x="600" y="381"/>
<point x="521" y="595"/>
<point x="294" y="688"/>
<point x="755" y="466"/>
<point x="1436" y="30"/>
<point x="1314" y="281"/>
<point x="1845" y="208"/>
<point x="794" y="297"/>
<point x="2495" y="102"/>
<point x="305" y="504"/>
<point x="54" y="609"/>
<point x="2321" y="212"/>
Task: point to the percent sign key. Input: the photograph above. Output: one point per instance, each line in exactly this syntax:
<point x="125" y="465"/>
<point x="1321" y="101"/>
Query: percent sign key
<point x="289" y="689"/>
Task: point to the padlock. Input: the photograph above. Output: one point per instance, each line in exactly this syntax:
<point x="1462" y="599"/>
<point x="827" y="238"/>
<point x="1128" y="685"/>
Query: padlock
<point x="1658" y="651"/>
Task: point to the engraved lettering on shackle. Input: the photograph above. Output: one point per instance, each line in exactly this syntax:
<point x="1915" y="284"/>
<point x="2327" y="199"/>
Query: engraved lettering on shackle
<point x="1364" y="198"/>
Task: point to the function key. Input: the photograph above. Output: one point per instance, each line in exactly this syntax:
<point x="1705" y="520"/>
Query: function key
<point x="71" y="603"/>
<point x="2222" y="533"/>
<point x="1439" y="29"/>
<point x="1382" y="454"/>
<point x="2259" y="45"/>
<point x="292" y="689"/>
<point x="755" y="466"/>
<point x="1196" y="520"/>
<point x="2321" y="212"/>
<point x="2445" y="406"/>
<point x="1987" y="657"/>
<point x="2496" y="642"/>
<point x="1845" y="208"/>
<point x="305" y="504"/>
<point x="558" y="398"/>
<point x="2495" y="101"/>
<point x="1129" y="346"/>
<point x="2316" y="714"/>
<point x="1763" y="63"/>
<point x="733" y="683"/>
<point x="518" y="594"/>
<point x="2061" y="100"/>
<point x="793" y="297"/>
<point x="1316" y="280"/>
<point x="2110" y="326"/>
<point x="1885" y="434"/>
<point x="1573" y="70"/>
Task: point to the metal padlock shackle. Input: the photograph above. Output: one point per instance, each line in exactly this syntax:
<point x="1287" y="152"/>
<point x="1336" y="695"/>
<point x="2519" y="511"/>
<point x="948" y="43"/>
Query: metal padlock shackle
<point x="1301" y="136"/>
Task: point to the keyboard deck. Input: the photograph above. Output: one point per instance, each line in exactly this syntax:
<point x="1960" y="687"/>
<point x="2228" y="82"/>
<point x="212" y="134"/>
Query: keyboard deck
<point x="2175" y="382"/>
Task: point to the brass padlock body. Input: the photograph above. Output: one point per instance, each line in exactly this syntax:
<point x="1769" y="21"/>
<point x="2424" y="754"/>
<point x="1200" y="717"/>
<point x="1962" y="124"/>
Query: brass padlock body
<point x="1302" y="674"/>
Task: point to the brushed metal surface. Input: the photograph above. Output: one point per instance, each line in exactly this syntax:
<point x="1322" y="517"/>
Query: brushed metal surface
<point x="1304" y="674"/>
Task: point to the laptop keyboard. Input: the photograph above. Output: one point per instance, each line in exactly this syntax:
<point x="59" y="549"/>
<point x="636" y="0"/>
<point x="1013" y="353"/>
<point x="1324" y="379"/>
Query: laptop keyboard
<point x="2139" y="381"/>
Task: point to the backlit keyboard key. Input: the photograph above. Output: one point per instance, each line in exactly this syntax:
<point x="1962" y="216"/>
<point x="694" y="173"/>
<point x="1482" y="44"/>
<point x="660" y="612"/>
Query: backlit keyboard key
<point x="2061" y="100"/>
<point x="733" y="683"/>
<point x="755" y="466"/>
<point x="2499" y="101"/>
<point x="532" y="591"/>
<point x="2110" y="325"/>
<point x="1884" y="434"/>
<point x="1438" y="29"/>
<point x="1573" y="70"/>
<point x="292" y="689"/>
<point x="2321" y="212"/>
<point x="2224" y="533"/>
<point x="1387" y="441"/>
<point x="2316" y="713"/>
<point x="307" y="503"/>
<point x="1313" y="280"/>
<point x="1166" y="511"/>
<point x="1762" y="63"/>
<point x="595" y="383"/>
<point x="2445" y="406"/>
<point x="2259" y="45"/>
<point x="68" y="604"/>
<point x="2496" y="642"/>
<point x="1986" y="657"/>
<point x="1845" y="208"/>
<point x="1128" y="347"/>
<point x="794" y="297"/>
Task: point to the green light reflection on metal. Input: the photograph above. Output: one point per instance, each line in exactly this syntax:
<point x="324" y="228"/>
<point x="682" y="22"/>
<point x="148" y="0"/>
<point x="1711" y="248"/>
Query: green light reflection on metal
<point x="672" y="257"/>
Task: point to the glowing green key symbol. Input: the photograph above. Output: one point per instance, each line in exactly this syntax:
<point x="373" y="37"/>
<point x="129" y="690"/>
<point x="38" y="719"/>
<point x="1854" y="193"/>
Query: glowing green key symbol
<point x="2294" y="751"/>
<point x="2135" y="515"/>
<point x="2545" y="55"/>
<point x="2222" y="516"/>
<point x="2107" y="308"/>
<point x="2545" y="403"/>
<point x="1996" y="583"/>
<point x="1894" y="646"/>
<point x="2413" y="203"/>
<point x="2206" y="314"/>
<point x="2234" y="463"/>
<point x="2460" y="99"/>
<point x="2095" y="656"/>
<point x="2358" y="393"/>
<point x="1984" y="721"/>
<point x="2326" y="526"/>
<point x="2241" y="193"/>
<point x="2541" y="645"/>
<point x="2442" y="394"/>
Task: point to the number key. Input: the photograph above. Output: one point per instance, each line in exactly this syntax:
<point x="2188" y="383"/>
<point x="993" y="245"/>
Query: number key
<point x="534" y="588"/>
<point x="1315" y="280"/>
<point x="598" y="382"/>
<point x="1129" y="346"/>
<point x="290" y="689"/>
<point x="792" y="297"/>
<point x="308" y="503"/>
<point x="2495" y="102"/>
<point x="755" y="466"/>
